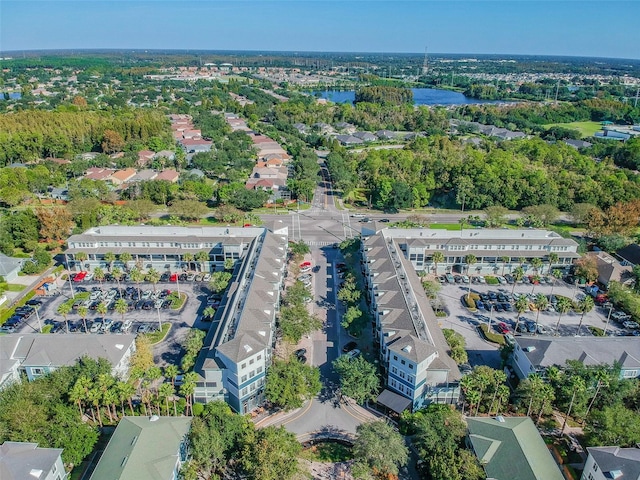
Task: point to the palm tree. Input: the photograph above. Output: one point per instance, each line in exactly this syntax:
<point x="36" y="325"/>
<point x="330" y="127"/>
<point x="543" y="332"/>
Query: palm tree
<point x="188" y="258"/>
<point x="203" y="258"/>
<point x="556" y="275"/>
<point x="209" y="312"/>
<point x="83" y="311"/>
<point x="108" y="397"/>
<point x="504" y="261"/>
<point x="122" y="307"/>
<point x="125" y="258"/>
<point x="563" y="306"/>
<point x="602" y="377"/>
<point x="188" y="387"/>
<point x="117" y="274"/>
<point x="171" y="371"/>
<point x="470" y="260"/>
<point x="164" y="392"/>
<point x="110" y="257"/>
<point x="125" y="392"/>
<point x="536" y="263"/>
<point x="80" y="257"/>
<point x="552" y="258"/>
<point x="522" y="304"/>
<point x="586" y="305"/>
<point x="78" y="392"/>
<point x="229" y="263"/>
<point x="578" y="386"/>
<point x="64" y="309"/>
<point x="98" y="274"/>
<point x="94" y="395"/>
<point x="436" y="258"/>
<point x="153" y="276"/>
<point x="517" y="275"/>
<point x="137" y="276"/>
<point x="541" y="303"/>
<point x="102" y="308"/>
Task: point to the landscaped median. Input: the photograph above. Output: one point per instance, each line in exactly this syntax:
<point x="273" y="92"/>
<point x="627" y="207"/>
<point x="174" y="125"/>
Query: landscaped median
<point x="158" y="335"/>
<point x="490" y="336"/>
<point x="178" y="301"/>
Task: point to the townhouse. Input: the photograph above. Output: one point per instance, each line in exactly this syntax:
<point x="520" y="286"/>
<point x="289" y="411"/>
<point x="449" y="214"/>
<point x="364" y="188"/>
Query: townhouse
<point x="417" y="368"/>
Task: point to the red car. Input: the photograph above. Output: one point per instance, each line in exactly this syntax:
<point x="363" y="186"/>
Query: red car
<point x="502" y="328"/>
<point x="78" y="277"/>
<point x="173" y="277"/>
<point x="305" y="264"/>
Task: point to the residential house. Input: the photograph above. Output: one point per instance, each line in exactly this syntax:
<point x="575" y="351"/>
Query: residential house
<point x="612" y="135"/>
<point x="27" y="461"/>
<point x="301" y="127"/>
<point x="168" y="176"/>
<point x="10" y="267"/>
<point x="144" y="176"/>
<point x="322" y="127"/>
<point x="166" y="154"/>
<point x="97" y="173"/>
<point x="610" y="269"/>
<point x="630" y="254"/>
<point x="511" y="448"/>
<point x="346" y="127"/>
<point x="194" y="145"/>
<point x="36" y="355"/>
<point x="348" y="140"/>
<point x="144" y="157"/>
<point x="536" y="354"/>
<point x="145" y="448"/>
<point x="365" y="136"/>
<point x="385" y="135"/>
<point x="416" y="367"/>
<point x="578" y="144"/>
<point x="606" y="463"/>
<point x="122" y="176"/>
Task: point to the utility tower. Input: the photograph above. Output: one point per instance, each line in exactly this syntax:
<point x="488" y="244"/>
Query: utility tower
<point x="425" y="63"/>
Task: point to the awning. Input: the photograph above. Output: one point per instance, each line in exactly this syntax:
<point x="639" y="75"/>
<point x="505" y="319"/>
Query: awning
<point x="392" y="400"/>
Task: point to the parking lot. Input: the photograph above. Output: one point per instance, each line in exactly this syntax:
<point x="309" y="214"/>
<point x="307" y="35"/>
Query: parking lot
<point x="148" y="307"/>
<point x="499" y="308"/>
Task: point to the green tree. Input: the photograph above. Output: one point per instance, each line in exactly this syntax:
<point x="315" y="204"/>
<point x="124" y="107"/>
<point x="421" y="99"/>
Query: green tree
<point x="98" y="274"/>
<point x="153" y="277"/>
<point x="188" y="209"/>
<point x="380" y="448"/>
<point x="358" y="379"/>
<point x="64" y="309"/>
<point x="202" y="257"/>
<point x="296" y="321"/>
<point x="121" y="307"/>
<point x="125" y="258"/>
<point x="219" y="281"/>
<point x="290" y="384"/>
<point x="437" y="258"/>
<point x="464" y="190"/>
<point x="171" y="372"/>
<point x="102" y="308"/>
<point x="271" y="454"/>
<point x="586" y="305"/>
<point x="563" y="306"/>
<point x="536" y="263"/>
<point x="299" y="249"/>
<point x="541" y="303"/>
<point x="495" y="216"/>
<point x="110" y="257"/>
<point x="137" y="276"/>
<point x="83" y="311"/>
<point x="613" y="425"/>
<point x="521" y="306"/>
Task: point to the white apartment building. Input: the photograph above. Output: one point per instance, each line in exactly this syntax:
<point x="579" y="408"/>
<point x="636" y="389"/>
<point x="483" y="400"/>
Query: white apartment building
<point x="494" y="249"/>
<point x="606" y="463"/>
<point x="413" y="350"/>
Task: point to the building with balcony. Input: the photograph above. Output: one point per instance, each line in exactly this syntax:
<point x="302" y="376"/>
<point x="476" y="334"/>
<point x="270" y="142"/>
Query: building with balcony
<point x="494" y="249"/>
<point x="413" y="352"/>
<point x="238" y="347"/>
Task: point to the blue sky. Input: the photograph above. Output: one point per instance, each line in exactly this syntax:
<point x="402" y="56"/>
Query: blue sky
<point x="596" y="28"/>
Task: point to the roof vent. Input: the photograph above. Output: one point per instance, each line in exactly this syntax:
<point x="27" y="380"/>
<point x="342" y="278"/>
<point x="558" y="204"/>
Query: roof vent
<point x="407" y="348"/>
<point x="262" y="333"/>
<point x="154" y="418"/>
<point x="35" y="472"/>
<point x="119" y="346"/>
<point x="615" y="474"/>
<point x="530" y="348"/>
<point x="500" y="418"/>
<point x="248" y="349"/>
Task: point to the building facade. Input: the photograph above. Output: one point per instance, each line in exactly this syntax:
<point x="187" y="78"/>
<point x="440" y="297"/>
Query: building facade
<point x="22" y="460"/>
<point x="495" y="249"/>
<point x="412" y="348"/>
<point x="606" y="463"/>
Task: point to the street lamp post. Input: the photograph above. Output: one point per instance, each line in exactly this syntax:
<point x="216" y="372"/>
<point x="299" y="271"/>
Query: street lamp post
<point x="35" y="307"/>
<point x="608" y="318"/>
<point x="73" y="295"/>
<point x="159" y="320"/>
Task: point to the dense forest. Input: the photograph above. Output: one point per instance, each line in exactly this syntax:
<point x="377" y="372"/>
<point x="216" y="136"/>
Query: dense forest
<point x="384" y="95"/>
<point x="514" y="175"/>
<point x="30" y="135"/>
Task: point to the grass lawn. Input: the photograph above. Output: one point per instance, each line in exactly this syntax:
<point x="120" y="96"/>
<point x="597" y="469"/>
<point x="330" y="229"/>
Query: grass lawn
<point x="490" y="336"/>
<point x="158" y="335"/>
<point x="177" y="304"/>
<point x="14" y="287"/>
<point x="444" y="226"/>
<point x="328" y="452"/>
<point x="587" y="129"/>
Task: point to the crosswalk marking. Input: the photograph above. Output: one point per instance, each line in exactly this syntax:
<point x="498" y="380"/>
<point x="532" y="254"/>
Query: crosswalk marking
<point x="319" y="244"/>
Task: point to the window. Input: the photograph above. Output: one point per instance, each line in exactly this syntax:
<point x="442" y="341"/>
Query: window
<point x="259" y="370"/>
<point x="211" y="384"/>
<point x="251" y="361"/>
<point x="244" y="391"/>
<point x="402" y="362"/>
<point x="395" y="358"/>
<point x="54" y="469"/>
<point x="252" y="387"/>
<point x="411" y="366"/>
<point x="394" y="370"/>
<point x="630" y="373"/>
<point x="402" y="374"/>
<point x="243" y="379"/>
<point x="243" y="366"/>
<point x="37" y="371"/>
<point x="411" y="378"/>
<point x="260" y="357"/>
<point x="252" y="373"/>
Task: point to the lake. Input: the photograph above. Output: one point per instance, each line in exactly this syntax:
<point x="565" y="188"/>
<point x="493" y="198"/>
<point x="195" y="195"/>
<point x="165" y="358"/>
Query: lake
<point x="421" y="96"/>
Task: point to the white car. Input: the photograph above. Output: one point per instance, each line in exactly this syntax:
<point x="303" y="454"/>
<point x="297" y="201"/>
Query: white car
<point x="631" y="325"/>
<point x="207" y="277"/>
<point x="95" y="327"/>
<point x="352" y="354"/>
<point x="357" y="215"/>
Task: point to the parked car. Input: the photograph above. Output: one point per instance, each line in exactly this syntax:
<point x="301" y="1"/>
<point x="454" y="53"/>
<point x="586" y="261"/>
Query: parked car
<point x="7" y="329"/>
<point x="502" y="328"/>
<point x="631" y="325"/>
<point x="301" y="352"/>
<point x="501" y="280"/>
<point x="352" y="354"/>
<point x="207" y="277"/>
<point x="349" y="346"/>
<point x="450" y="278"/>
<point x="116" y="327"/>
<point x="96" y="327"/>
<point x="165" y="277"/>
<point x="509" y="278"/>
<point x="465" y="279"/>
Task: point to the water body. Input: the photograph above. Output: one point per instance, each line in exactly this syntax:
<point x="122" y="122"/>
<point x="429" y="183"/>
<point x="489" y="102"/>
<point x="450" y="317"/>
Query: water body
<point x="12" y="95"/>
<point x="421" y="96"/>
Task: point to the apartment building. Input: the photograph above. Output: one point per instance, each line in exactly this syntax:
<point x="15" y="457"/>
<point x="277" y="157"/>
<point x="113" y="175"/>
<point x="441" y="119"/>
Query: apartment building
<point x="606" y="463"/>
<point x="494" y="249"/>
<point x="25" y="460"/>
<point x="162" y="248"/>
<point x="238" y="347"/>
<point x="417" y="369"/>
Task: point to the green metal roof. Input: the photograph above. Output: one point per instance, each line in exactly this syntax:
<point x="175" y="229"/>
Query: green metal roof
<point x="143" y="448"/>
<point x="510" y="448"/>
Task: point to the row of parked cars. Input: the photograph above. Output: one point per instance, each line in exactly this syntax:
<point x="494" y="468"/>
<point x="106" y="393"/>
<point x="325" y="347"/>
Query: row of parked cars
<point x="99" y="325"/>
<point x="86" y="276"/>
<point x="136" y="299"/>
<point x="20" y="315"/>
<point x="507" y="279"/>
